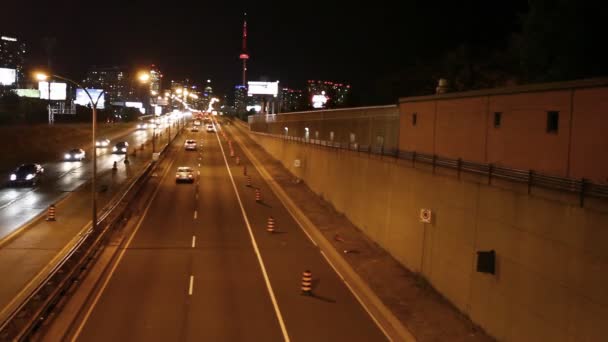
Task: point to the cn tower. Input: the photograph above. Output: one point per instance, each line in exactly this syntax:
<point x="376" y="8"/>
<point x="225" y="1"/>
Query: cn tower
<point x="244" y="56"/>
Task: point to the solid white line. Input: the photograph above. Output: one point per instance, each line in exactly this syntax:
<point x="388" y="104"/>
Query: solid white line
<point x="193" y="241"/>
<point x="255" y="248"/>
<point x="266" y="176"/>
<point x="122" y="253"/>
<point x="191" y="288"/>
<point x="356" y="296"/>
<point x="195" y="213"/>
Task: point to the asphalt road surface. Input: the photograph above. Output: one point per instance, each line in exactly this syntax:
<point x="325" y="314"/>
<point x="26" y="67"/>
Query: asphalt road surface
<point x="192" y="273"/>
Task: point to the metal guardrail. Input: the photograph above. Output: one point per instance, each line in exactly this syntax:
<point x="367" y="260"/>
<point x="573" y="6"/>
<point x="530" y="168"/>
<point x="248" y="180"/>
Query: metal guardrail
<point x="583" y="187"/>
<point x="33" y="311"/>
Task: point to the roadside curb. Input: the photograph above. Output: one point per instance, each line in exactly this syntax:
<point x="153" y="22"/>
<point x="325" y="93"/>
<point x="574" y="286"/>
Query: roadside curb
<point x="384" y="317"/>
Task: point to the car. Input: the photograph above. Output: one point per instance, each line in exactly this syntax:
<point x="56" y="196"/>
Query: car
<point x="26" y="174"/>
<point x="184" y="174"/>
<point x="194" y="129"/>
<point x="210" y="128"/>
<point x="120" y="147"/>
<point x="102" y="143"/>
<point x="190" y="145"/>
<point x="142" y="126"/>
<point x="197" y="123"/>
<point x="74" y="154"/>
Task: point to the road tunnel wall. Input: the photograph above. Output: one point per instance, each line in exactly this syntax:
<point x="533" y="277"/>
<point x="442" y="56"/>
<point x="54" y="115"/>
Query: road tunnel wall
<point x="551" y="258"/>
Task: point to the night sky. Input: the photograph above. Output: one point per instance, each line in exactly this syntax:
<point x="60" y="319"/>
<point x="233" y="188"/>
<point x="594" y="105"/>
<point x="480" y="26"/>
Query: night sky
<point x="288" y="41"/>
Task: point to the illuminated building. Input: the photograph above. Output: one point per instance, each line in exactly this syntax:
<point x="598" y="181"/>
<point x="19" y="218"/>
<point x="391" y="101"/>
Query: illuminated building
<point x="114" y="80"/>
<point x="12" y="57"/>
<point x="155" y="79"/>
<point x="240" y="98"/>
<point x="336" y="94"/>
<point x="244" y="56"/>
<point x="291" y="100"/>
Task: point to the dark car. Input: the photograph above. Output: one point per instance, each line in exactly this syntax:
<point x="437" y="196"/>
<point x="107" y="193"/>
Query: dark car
<point x="26" y="174"/>
<point x="120" y="148"/>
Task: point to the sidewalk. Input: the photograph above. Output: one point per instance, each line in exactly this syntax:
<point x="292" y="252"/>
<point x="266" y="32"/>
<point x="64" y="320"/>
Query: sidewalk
<point x="425" y="313"/>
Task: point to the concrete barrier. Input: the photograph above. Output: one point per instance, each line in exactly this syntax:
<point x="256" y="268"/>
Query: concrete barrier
<point x="551" y="255"/>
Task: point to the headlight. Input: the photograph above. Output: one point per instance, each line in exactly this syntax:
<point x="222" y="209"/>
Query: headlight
<point x="67" y="156"/>
<point x="28" y="177"/>
<point x="189" y="176"/>
<point x="124" y="150"/>
<point x="114" y="148"/>
<point x="97" y="143"/>
<point x="13" y="177"/>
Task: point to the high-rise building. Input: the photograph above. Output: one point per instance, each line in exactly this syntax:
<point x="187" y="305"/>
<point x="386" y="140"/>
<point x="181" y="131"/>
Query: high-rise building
<point x="291" y="100"/>
<point x="114" y="80"/>
<point x="244" y="56"/>
<point x="240" y="99"/>
<point x="326" y="94"/>
<point x="12" y="58"/>
<point x="155" y="80"/>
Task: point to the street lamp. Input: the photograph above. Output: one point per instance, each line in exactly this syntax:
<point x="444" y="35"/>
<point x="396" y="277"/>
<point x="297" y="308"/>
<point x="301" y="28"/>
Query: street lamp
<point x="42" y="77"/>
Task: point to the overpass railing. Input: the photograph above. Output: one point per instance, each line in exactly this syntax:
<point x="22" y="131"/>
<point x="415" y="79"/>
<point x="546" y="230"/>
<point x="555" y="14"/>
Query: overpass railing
<point x="583" y="187"/>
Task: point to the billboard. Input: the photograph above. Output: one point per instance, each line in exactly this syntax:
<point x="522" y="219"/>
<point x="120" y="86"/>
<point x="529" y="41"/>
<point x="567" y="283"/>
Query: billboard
<point x="263" y="88"/>
<point x="34" y="93"/>
<point x="83" y="100"/>
<point x="8" y="76"/>
<point x="136" y="105"/>
<point x="58" y="90"/>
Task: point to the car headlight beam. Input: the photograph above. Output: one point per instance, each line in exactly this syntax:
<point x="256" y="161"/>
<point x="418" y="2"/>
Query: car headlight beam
<point x="13" y="177"/>
<point x="29" y="176"/>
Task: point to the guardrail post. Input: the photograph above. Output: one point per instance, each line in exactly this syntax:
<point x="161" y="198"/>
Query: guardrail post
<point x="530" y="181"/>
<point x="582" y="194"/>
<point x="490" y="169"/>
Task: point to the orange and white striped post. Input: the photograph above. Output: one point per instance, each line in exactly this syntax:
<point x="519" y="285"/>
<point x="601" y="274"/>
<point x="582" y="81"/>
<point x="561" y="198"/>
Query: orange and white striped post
<point x="307" y="283"/>
<point x="258" y="195"/>
<point x="244" y="170"/>
<point x="238" y="160"/>
<point x="50" y="214"/>
<point x="270" y="225"/>
<point x="248" y="180"/>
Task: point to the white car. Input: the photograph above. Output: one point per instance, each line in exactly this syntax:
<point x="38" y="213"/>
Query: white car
<point x="197" y="123"/>
<point x="74" y="154"/>
<point x="142" y="126"/>
<point x="184" y="174"/>
<point x="210" y="128"/>
<point x="190" y="145"/>
<point x="102" y="143"/>
<point x="120" y="147"/>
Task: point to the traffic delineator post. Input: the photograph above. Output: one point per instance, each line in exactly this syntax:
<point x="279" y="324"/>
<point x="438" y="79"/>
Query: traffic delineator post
<point x="306" y="283"/>
<point x="258" y="195"/>
<point x="238" y="160"/>
<point x="50" y="214"/>
<point x="231" y="152"/>
<point x="127" y="159"/>
<point x="244" y="170"/>
<point x="141" y="147"/>
<point x="248" y="180"/>
<point x="270" y="225"/>
<point x="114" y="166"/>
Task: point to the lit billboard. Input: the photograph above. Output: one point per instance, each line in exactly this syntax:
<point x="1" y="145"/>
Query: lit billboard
<point x="8" y="76"/>
<point x="138" y="105"/>
<point x="83" y="100"/>
<point x="58" y="90"/>
<point x="34" y="93"/>
<point x="263" y="88"/>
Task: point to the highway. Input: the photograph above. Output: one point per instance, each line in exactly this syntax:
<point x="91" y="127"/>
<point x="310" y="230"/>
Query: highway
<point x="200" y="266"/>
<point x="36" y="246"/>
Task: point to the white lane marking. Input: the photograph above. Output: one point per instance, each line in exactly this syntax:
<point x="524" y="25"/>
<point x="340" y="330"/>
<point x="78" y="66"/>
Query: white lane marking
<point x="256" y="249"/>
<point x="122" y="253"/>
<point x="269" y="180"/>
<point x="191" y="288"/>
<point x="356" y="296"/>
<point x="195" y="214"/>
<point x="193" y="241"/>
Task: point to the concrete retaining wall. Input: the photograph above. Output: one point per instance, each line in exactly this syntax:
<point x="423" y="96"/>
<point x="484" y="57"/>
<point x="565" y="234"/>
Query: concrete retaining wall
<point x="551" y="282"/>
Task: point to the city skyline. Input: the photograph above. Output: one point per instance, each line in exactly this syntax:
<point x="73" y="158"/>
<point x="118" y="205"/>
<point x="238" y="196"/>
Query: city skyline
<point x="339" y="43"/>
